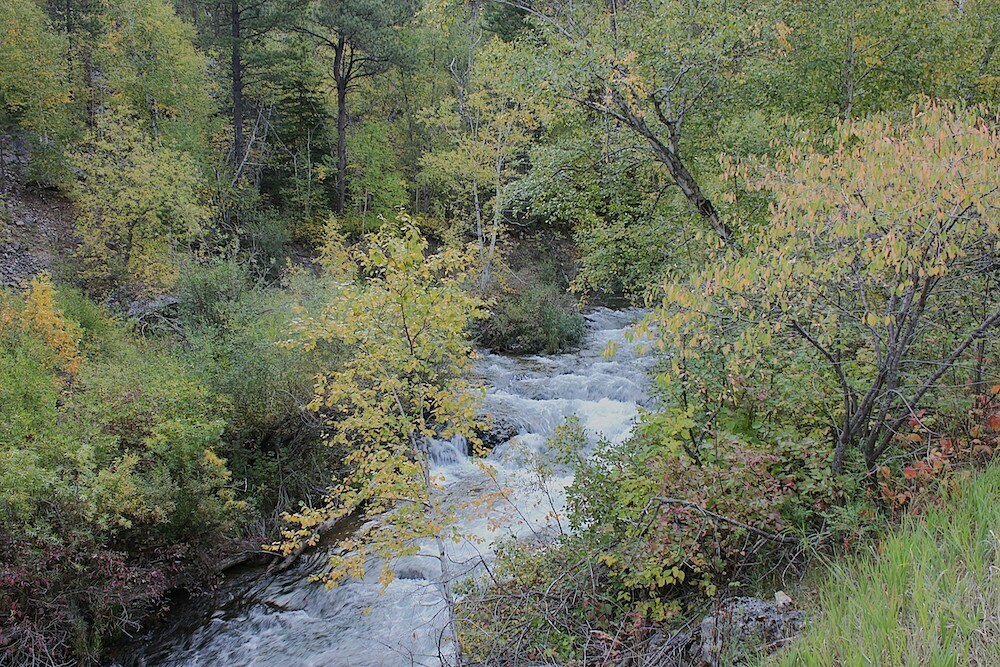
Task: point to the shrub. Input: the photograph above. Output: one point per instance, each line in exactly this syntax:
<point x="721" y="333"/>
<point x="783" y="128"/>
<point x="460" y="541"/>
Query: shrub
<point x="236" y="356"/>
<point x="653" y="535"/>
<point x="204" y="291"/>
<point x="109" y="482"/>
<point x="877" y="262"/>
<point x="530" y="319"/>
<point x="266" y="243"/>
<point x="138" y="200"/>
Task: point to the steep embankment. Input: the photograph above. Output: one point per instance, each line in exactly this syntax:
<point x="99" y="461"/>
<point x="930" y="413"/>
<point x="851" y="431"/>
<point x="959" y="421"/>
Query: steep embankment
<point x="929" y="594"/>
<point x="36" y="230"/>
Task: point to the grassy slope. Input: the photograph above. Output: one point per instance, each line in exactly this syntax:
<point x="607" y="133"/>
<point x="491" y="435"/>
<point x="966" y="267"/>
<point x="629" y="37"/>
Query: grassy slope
<point x="928" y="595"/>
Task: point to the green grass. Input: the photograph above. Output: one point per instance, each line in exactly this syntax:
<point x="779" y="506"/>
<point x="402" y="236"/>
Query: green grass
<point x="929" y="594"/>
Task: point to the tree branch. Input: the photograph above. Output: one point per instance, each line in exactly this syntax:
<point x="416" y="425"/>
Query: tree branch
<point x="773" y="537"/>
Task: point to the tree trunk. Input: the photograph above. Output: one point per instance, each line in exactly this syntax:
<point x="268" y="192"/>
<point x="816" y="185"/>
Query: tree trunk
<point x="236" y="65"/>
<point x="340" y="76"/>
<point x="668" y="153"/>
<point x="693" y="193"/>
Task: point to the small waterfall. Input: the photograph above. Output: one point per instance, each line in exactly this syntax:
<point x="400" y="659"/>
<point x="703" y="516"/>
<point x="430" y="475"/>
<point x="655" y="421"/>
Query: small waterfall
<point x="288" y="620"/>
<point x="448" y="452"/>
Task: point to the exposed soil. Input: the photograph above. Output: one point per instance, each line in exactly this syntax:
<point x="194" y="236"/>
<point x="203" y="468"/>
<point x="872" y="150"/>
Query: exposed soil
<point x="36" y="226"/>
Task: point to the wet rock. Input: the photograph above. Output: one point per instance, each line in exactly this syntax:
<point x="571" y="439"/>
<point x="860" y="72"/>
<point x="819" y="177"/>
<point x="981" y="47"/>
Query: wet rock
<point x="499" y="431"/>
<point x="742" y="627"/>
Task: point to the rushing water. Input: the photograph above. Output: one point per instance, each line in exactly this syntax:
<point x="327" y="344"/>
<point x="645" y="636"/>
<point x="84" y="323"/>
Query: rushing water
<point x="287" y="621"/>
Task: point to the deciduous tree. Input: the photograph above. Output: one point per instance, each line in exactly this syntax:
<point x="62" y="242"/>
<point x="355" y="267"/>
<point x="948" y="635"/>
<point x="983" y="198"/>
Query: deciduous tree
<point x="403" y="316"/>
<point x="880" y="257"/>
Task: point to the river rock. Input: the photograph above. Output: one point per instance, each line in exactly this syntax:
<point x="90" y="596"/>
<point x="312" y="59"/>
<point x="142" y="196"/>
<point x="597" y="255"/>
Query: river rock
<point x="740" y="628"/>
<point x="499" y="430"/>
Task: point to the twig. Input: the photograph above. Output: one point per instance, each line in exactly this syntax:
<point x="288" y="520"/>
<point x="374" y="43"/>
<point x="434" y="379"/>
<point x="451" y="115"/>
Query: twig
<point x="781" y="539"/>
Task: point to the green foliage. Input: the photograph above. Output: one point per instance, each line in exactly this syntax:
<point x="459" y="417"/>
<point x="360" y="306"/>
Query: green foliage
<point x="927" y="595"/>
<point x="653" y="533"/>
<point x="205" y="291"/>
<point x="138" y="201"/>
<point x="531" y="319"/>
<point x="108" y="467"/>
<point x="629" y="228"/>
<point x="869" y="241"/>
<point x="232" y="326"/>
<point x="850" y="59"/>
<point x="489" y="123"/>
<point x="154" y="73"/>
<point x="403" y="322"/>
<point x="100" y="335"/>
<point x="34" y="91"/>
<point x="374" y="186"/>
<point x="626" y="256"/>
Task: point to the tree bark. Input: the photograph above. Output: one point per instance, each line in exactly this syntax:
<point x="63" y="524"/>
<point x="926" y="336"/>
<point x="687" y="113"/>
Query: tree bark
<point x="668" y="153"/>
<point x="236" y="67"/>
<point x="342" y="79"/>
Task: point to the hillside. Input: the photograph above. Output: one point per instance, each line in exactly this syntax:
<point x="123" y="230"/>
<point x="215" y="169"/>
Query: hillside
<point x="36" y="230"/>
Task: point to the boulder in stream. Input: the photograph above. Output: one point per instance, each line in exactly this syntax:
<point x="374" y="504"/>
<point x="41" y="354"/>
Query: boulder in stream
<point x="498" y="431"/>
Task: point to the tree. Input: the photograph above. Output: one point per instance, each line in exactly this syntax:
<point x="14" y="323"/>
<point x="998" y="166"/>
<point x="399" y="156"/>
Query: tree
<point x="364" y="38"/>
<point x="846" y="59"/>
<point x="34" y="80"/>
<point x="879" y="261"/>
<point x="137" y="199"/>
<point x="658" y="69"/>
<point x="244" y="24"/>
<point x="375" y="186"/>
<point x="152" y="71"/>
<point x="490" y="126"/>
<point x="403" y="318"/>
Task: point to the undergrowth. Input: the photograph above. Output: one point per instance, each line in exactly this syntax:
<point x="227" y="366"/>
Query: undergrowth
<point x="926" y="595"/>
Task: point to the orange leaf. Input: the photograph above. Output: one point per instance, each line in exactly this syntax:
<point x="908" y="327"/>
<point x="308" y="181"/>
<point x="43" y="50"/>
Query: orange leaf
<point x="994" y="421"/>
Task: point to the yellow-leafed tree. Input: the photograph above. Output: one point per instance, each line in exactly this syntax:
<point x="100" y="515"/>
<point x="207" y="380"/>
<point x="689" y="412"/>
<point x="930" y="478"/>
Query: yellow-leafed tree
<point x="402" y="317"/>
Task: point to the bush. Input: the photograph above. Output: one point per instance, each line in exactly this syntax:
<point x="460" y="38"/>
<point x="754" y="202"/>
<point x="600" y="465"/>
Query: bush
<point x="531" y="319"/>
<point x="232" y="326"/>
<point x="264" y="386"/>
<point x="109" y="480"/>
<point x="653" y="536"/>
<point x="265" y="243"/>
<point x="204" y="291"/>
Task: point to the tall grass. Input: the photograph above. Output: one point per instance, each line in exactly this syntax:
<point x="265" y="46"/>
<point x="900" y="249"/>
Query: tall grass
<point x="927" y="595"/>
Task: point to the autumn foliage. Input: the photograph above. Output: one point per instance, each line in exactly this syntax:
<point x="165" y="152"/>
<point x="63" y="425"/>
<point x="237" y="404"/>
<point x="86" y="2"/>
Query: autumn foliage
<point x="875" y="261"/>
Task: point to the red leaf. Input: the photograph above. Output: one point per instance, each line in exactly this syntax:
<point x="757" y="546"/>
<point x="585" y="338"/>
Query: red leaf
<point x="994" y="421"/>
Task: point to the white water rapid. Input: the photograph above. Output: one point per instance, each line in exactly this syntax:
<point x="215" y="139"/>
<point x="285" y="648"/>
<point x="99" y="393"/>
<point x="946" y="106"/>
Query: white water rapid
<point x="288" y="621"/>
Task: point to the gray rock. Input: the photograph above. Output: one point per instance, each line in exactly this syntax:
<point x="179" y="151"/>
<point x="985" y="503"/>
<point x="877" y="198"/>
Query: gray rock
<point x="17" y="265"/>
<point x="144" y="307"/>
<point x="742" y="627"/>
<point x="499" y="431"/>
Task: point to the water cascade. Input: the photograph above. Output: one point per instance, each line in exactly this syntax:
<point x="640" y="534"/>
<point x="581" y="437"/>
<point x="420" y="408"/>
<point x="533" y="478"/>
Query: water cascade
<point x="286" y="619"/>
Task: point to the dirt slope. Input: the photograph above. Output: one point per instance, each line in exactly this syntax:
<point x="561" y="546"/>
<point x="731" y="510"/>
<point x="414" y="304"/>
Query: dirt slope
<point x="36" y="230"/>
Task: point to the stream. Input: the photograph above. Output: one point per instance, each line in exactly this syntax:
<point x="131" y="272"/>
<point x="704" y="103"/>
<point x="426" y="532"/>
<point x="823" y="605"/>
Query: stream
<point x="286" y="620"/>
